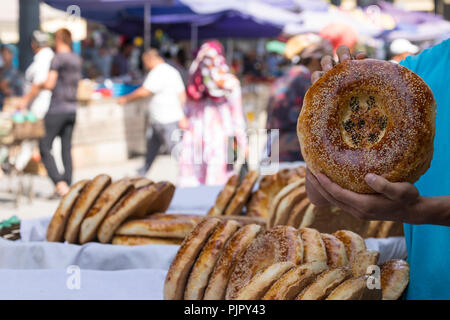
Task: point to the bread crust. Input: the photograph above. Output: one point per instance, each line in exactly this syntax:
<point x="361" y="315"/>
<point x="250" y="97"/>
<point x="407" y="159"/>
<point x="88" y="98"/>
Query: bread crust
<point x="286" y="205"/>
<point x="139" y="241"/>
<point x="164" y="194"/>
<point x="271" y="215"/>
<point x="126" y="207"/>
<point x="336" y="254"/>
<point x="353" y="242"/>
<point x="225" y="196"/>
<point x="107" y="199"/>
<point x="242" y="194"/>
<point x="55" y="230"/>
<point x="362" y="260"/>
<point x="84" y="202"/>
<point x="176" y="278"/>
<point x="289" y="285"/>
<point x="231" y="254"/>
<point x="280" y="244"/>
<point x="298" y="212"/>
<point x="394" y="278"/>
<point x="324" y="284"/>
<point x="174" y="228"/>
<point x="354" y="289"/>
<point x="263" y="280"/>
<point x="313" y="245"/>
<point x="268" y="188"/>
<point x="206" y="260"/>
<point x="400" y="147"/>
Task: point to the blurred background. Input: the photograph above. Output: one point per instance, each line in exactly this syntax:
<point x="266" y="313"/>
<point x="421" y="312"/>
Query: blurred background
<point x="270" y="47"/>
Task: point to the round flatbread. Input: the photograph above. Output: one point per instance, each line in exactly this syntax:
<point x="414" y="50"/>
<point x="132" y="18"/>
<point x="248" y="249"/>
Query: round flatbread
<point x="242" y="194"/>
<point x="280" y="244"/>
<point x="313" y="246"/>
<point x="101" y="207"/>
<point x="336" y="254"/>
<point x="324" y="284"/>
<point x="204" y="265"/>
<point x="84" y="202"/>
<point x="289" y="285"/>
<point x="178" y="273"/>
<point x="263" y="280"/>
<point x="123" y="209"/>
<point x="55" y="230"/>
<point x="225" y="196"/>
<point x="231" y="254"/>
<point x="138" y="240"/>
<point x="353" y="242"/>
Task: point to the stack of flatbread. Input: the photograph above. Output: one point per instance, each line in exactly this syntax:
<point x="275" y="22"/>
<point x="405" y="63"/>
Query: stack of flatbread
<point x="222" y="260"/>
<point x="282" y="200"/>
<point x="95" y="209"/>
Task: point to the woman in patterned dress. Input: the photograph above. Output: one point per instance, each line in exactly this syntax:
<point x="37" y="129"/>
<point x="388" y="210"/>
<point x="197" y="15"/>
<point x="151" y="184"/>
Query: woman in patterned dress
<point x="215" y="120"/>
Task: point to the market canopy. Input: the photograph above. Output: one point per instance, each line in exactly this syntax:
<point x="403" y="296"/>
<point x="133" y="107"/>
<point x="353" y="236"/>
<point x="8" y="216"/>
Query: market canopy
<point x="211" y="18"/>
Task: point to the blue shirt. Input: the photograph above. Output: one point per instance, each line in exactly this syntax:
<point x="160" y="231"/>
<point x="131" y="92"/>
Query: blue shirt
<point x="429" y="245"/>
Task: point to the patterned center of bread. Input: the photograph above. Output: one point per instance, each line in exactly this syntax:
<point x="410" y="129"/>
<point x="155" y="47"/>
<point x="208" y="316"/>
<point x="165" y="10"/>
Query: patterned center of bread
<point x="363" y="119"/>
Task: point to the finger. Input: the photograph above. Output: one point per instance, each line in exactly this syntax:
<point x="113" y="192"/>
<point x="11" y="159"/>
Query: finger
<point x="343" y="53"/>
<point x="360" y="56"/>
<point x="316" y="75"/>
<point x="395" y="191"/>
<point x="327" y="63"/>
<point x="348" y="208"/>
<point x="340" y="194"/>
<point x="313" y="194"/>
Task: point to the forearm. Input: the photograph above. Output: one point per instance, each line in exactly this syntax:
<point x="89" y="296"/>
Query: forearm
<point x="34" y="91"/>
<point x="137" y="94"/>
<point x="431" y="210"/>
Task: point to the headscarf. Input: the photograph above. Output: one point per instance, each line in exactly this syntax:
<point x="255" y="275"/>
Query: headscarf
<point x="209" y="74"/>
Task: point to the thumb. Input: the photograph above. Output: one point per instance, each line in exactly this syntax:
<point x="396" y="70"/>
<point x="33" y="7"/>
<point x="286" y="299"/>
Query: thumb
<point x="394" y="191"/>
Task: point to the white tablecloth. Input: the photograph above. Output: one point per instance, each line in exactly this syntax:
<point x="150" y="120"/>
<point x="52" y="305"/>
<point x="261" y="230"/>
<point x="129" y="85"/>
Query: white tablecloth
<point x="35" y="269"/>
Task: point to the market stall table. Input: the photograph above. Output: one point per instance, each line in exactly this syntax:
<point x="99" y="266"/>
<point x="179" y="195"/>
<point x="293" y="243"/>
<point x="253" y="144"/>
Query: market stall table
<point x="32" y="268"/>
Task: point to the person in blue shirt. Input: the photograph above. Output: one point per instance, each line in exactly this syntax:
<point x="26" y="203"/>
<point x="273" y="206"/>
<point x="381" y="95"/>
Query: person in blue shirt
<point x="424" y="207"/>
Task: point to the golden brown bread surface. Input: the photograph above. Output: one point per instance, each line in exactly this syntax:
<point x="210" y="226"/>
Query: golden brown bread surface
<point x="271" y="214"/>
<point x="126" y="207"/>
<point x="268" y="188"/>
<point x="394" y="278"/>
<point x="231" y="253"/>
<point x="225" y="196"/>
<point x="55" y="230"/>
<point x="242" y="194"/>
<point x="102" y="205"/>
<point x="326" y="282"/>
<point x="289" y="285"/>
<point x="336" y="254"/>
<point x="287" y="204"/>
<point x="313" y="245"/>
<point x="362" y="260"/>
<point x="204" y="265"/>
<point x="138" y="240"/>
<point x="279" y="244"/>
<point x="181" y="265"/>
<point x="354" y="289"/>
<point x="256" y="288"/>
<point x="82" y="205"/>
<point x="353" y="242"/>
<point x="368" y="116"/>
<point x="163" y="197"/>
<point x="165" y="228"/>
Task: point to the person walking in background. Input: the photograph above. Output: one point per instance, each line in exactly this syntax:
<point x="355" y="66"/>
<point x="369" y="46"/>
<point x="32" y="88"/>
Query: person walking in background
<point x="10" y="78"/>
<point x="287" y="92"/>
<point x="165" y="88"/>
<point x="62" y="80"/>
<point x="214" y="112"/>
<point x="35" y="99"/>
